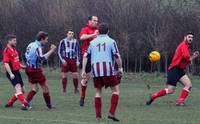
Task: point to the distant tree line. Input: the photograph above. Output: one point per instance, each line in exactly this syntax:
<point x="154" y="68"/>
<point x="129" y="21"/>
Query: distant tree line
<point x="139" y="26"/>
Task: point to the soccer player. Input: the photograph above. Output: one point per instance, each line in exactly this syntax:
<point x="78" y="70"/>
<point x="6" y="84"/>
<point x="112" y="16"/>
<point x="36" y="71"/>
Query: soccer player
<point x="12" y="66"/>
<point x="68" y="54"/>
<point x="176" y="73"/>
<point x="87" y="34"/>
<point x="34" y="58"/>
<point x="102" y="51"/>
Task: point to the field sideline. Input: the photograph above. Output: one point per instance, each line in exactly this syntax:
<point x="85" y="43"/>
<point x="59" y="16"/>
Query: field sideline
<point x="131" y="110"/>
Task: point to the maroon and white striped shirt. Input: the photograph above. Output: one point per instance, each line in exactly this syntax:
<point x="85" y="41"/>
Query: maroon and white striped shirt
<point x="68" y="49"/>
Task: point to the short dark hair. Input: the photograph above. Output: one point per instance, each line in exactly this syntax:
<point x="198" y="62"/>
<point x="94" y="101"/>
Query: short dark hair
<point x="90" y="17"/>
<point x="10" y="37"/>
<point x="41" y="35"/>
<point x="189" y="32"/>
<point x="103" y="28"/>
<point x="69" y="29"/>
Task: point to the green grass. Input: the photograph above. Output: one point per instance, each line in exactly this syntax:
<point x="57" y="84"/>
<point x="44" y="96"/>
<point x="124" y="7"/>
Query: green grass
<point x="131" y="109"/>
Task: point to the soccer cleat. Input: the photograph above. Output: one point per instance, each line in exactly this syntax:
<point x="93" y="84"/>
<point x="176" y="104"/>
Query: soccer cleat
<point x="50" y="106"/>
<point x="112" y="117"/>
<point x="26" y="106"/>
<point x="64" y="91"/>
<point x="76" y="91"/>
<point x="81" y="102"/>
<point x="8" y="105"/>
<point x="98" y="118"/>
<point x="181" y="104"/>
<point x="149" y="101"/>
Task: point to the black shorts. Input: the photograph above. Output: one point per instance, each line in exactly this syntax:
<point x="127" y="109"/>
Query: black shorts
<point x="174" y="75"/>
<point x="17" y="79"/>
<point x="88" y="65"/>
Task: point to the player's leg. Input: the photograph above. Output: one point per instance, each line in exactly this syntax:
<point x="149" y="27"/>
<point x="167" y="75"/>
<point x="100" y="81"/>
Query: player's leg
<point x="20" y="96"/>
<point x="74" y="70"/>
<point x="64" y="81"/>
<point x="64" y="70"/>
<point x="84" y="82"/>
<point x="46" y="94"/>
<point x="114" y="102"/>
<point x="173" y="77"/>
<point x="186" y="89"/>
<point x="97" y="102"/>
<point x="98" y="84"/>
<point x="14" y="97"/>
<point x="18" y="84"/>
<point x="19" y="93"/>
<point x="32" y="92"/>
<point x="75" y="81"/>
<point x="169" y="90"/>
<point x="11" y="101"/>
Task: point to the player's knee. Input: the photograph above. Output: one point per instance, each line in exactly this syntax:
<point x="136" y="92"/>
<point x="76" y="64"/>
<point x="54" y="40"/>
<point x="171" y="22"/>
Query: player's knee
<point x="36" y="89"/>
<point x="97" y="95"/>
<point x="88" y="77"/>
<point x="45" y="88"/>
<point x="189" y="88"/>
<point x="116" y="93"/>
<point x="18" y="86"/>
<point x="75" y="75"/>
<point x="115" y="90"/>
<point x="189" y="85"/>
<point x="171" y="90"/>
<point x="63" y="76"/>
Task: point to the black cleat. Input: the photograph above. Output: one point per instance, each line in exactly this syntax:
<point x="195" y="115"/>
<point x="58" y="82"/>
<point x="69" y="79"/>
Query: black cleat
<point x="113" y="118"/>
<point x="76" y="91"/>
<point x="8" y="105"/>
<point x="49" y="106"/>
<point x="149" y="101"/>
<point x="26" y="107"/>
<point x="64" y="91"/>
<point x="82" y="102"/>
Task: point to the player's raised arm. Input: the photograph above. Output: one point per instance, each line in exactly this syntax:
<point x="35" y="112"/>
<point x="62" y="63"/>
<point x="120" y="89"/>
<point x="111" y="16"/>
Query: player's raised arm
<point x="194" y="55"/>
<point x="46" y="55"/>
<point x="88" y="36"/>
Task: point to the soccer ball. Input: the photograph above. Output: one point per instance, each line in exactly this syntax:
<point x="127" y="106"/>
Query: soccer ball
<point x="154" y="56"/>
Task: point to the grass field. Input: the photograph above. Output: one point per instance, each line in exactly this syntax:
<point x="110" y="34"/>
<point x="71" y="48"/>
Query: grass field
<point x="131" y="110"/>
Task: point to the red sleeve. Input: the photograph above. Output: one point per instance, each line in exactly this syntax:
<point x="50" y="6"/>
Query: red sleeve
<point x="6" y="56"/>
<point x="83" y="31"/>
<point x="185" y="53"/>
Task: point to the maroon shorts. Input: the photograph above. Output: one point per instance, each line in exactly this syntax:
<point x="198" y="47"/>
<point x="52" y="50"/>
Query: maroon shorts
<point x="35" y="76"/>
<point x="71" y="66"/>
<point x="108" y="81"/>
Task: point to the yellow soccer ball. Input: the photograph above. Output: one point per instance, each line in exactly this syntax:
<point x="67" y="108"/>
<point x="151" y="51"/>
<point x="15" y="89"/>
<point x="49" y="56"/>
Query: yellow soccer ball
<point x="154" y="56"/>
